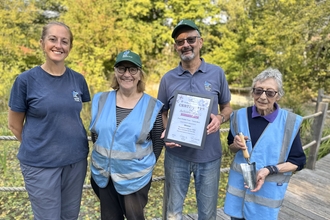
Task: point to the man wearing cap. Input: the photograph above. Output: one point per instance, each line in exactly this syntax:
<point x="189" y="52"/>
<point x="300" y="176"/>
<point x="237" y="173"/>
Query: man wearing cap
<point x="126" y="128"/>
<point x="194" y="75"/>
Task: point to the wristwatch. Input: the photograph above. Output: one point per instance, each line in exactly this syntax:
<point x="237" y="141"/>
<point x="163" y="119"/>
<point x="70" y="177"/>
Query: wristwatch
<point x="223" y="118"/>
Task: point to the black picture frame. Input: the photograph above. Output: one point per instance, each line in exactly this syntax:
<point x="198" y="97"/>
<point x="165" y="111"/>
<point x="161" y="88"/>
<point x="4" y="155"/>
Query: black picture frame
<point x="189" y="116"/>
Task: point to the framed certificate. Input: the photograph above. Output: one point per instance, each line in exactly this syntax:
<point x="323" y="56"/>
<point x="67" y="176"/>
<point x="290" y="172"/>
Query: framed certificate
<point x="189" y="116"/>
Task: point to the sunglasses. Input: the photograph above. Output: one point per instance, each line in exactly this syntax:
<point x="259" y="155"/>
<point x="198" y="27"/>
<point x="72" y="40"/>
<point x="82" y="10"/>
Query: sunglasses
<point x="269" y="93"/>
<point x="190" y="40"/>
<point x="131" y="69"/>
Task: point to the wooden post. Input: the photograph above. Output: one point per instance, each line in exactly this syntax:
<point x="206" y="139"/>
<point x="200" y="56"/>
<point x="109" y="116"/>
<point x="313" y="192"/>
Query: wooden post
<point x="319" y="99"/>
<point x="318" y="125"/>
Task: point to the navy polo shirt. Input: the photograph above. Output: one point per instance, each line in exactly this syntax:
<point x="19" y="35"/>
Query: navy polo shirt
<point x="209" y="80"/>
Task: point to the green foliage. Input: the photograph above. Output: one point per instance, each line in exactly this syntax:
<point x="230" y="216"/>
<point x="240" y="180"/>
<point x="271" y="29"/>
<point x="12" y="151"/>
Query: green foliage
<point x="325" y="147"/>
<point x="16" y="45"/>
<point x="243" y="37"/>
<point x="3" y="159"/>
<point x="275" y="33"/>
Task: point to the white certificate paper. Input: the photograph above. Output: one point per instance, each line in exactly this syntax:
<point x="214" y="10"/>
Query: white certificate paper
<point x="189" y="116"/>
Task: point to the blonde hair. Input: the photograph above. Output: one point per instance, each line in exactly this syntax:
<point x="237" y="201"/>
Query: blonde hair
<point x="141" y="86"/>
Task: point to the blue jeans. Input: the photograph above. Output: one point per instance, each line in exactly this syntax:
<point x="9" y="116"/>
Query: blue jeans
<point x="177" y="178"/>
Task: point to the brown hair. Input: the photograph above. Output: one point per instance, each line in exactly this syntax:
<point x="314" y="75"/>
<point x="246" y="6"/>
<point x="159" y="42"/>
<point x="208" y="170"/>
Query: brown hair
<point x="52" y="23"/>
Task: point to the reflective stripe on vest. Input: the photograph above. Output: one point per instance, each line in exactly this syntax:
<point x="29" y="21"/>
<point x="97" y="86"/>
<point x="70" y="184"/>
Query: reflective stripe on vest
<point x="127" y="158"/>
<point x="239" y="198"/>
<point x="253" y="198"/>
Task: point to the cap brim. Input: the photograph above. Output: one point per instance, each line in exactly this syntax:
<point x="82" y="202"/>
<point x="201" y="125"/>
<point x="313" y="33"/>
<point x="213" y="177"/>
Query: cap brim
<point x="178" y="28"/>
<point x="139" y="65"/>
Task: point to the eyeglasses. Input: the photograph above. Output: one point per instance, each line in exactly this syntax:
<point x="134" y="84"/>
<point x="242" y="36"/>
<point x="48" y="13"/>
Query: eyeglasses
<point x="269" y="93"/>
<point x="131" y="69"/>
<point x="190" y="40"/>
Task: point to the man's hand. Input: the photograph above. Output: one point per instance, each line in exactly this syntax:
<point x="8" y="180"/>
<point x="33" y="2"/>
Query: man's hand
<point x="214" y="125"/>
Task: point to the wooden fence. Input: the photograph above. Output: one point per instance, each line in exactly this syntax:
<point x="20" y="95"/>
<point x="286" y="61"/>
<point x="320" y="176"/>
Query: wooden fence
<point x="320" y="118"/>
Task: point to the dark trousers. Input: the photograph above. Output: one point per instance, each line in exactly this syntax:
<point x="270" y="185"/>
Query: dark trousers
<point x="115" y="206"/>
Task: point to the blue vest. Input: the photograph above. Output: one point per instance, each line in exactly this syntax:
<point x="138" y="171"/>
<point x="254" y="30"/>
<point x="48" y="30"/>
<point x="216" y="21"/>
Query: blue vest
<point x="123" y="152"/>
<point x="272" y="148"/>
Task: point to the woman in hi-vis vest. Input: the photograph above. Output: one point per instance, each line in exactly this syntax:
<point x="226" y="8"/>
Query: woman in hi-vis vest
<point x="126" y="128"/>
<point x="273" y="142"/>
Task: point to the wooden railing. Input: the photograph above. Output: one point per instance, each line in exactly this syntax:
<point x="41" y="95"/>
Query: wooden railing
<point x="317" y="129"/>
<point x="320" y="118"/>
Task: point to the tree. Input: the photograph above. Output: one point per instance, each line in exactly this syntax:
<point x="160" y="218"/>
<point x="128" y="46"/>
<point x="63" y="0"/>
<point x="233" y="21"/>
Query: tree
<point x="259" y="34"/>
<point x="242" y="36"/>
<point x="18" y="42"/>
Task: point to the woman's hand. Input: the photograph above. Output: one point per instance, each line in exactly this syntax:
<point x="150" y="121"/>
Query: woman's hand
<point x="238" y="144"/>
<point x="261" y="176"/>
<point x="169" y="144"/>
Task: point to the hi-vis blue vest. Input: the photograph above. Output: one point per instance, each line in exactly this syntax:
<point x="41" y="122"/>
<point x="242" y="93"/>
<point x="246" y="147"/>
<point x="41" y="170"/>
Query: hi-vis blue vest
<point x="272" y="148"/>
<point x="123" y="153"/>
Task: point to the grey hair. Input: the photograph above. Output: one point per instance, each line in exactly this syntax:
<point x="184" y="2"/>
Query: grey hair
<point x="270" y="73"/>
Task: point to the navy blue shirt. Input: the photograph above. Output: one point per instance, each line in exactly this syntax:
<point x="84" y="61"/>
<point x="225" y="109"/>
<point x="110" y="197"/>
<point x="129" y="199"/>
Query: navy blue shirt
<point x="208" y="80"/>
<point x="53" y="133"/>
<point x="257" y="125"/>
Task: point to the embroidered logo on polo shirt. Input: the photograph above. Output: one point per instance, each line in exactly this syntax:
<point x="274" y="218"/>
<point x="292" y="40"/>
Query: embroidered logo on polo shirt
<point x="75" y="96"/>
<point x="207" y="86"/>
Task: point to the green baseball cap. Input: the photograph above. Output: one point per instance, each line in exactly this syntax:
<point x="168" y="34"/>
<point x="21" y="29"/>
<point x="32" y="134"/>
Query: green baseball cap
<point x="184" y="22"/>
<point x="130" y="56"/>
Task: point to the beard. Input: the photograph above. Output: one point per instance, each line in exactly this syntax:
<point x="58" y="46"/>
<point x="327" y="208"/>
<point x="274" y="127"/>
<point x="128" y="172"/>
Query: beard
<point x="187" y="57"/>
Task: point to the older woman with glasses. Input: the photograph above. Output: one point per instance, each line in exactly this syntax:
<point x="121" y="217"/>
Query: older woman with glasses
<point x="126" y="128"/>
<point x="273" y="142"/>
